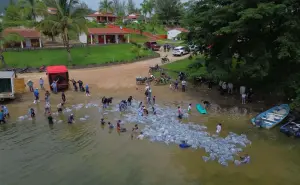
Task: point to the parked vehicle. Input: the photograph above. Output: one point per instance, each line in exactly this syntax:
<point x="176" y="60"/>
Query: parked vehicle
<point x="180" y="50"/>
<point x="271" y="117"/>
<point x="291" y="128"/>
<point x="152" y="45"/>
<point x="193" y="48"/>
<point x="59" y="73"/>
<point x="7" y="89"/>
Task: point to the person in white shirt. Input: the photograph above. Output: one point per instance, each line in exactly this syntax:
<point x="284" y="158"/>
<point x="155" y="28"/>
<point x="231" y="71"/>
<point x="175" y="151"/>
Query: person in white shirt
<point x="219" y="128"/>
<point x="183" y="84"/>
<point x="190" y="108"/>
<point x="244" y="98"/>
<point x="230" y="88"/>
<point x="141" y="136"/>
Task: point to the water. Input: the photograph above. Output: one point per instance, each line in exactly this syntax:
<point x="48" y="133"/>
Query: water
<point x="32" y="152"/>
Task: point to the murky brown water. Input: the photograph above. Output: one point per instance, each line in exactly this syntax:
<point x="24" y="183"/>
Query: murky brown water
<point x="86" y="153"/>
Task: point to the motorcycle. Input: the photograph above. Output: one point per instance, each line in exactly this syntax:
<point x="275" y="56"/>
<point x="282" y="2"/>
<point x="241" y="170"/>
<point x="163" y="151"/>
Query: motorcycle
<point x="165" y="59"/>
<point x="42" y="68"/>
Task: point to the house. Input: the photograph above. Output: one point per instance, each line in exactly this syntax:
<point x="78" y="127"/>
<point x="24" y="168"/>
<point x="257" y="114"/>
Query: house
<point x="102" y="17"/>
<point x="173" y="33"/>
<point x="133" y="16"/>
<point x="104" y="36"/>
<point x="50" y="10"/>
<point x="32" y="38"/>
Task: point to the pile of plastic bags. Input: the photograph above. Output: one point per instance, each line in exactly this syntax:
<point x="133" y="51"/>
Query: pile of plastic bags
<point x="166" y="127"/>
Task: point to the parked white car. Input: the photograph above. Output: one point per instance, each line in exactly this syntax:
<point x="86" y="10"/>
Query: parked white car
<point x="193" y="48"/>
<point x="179" y="51"/>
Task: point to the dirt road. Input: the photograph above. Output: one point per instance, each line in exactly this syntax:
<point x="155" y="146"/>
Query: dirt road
<point x="110" y="77"/>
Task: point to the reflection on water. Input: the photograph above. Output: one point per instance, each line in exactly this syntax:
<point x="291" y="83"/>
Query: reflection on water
<point x="87" y="153"/>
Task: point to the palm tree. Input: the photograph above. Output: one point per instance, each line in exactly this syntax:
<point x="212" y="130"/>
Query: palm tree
<point x="32" y="4"/>
<point x="9" y="38"/>
<point x="105" y="6"/>
<point x="68" y="19"/>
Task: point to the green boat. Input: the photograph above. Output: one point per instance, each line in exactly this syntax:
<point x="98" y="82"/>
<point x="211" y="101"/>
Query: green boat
<point x="201" y="109"/>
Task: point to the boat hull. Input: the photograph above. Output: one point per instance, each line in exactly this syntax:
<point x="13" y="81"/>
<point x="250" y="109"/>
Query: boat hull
<point x="271" y="117"/>
<point x="201" y="109"/>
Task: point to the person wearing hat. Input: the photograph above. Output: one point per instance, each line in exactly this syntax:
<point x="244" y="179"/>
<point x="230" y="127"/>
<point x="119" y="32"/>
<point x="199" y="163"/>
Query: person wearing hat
<point x="36" y="95"/>
<point x="30" y="85"/>
<point x="41" y="81"/>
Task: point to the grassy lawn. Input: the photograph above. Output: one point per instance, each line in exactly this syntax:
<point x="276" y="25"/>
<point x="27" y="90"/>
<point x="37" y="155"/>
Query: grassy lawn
<point x="80" y="56"/>
<point x="172" y="42"/>
<point x="159" y="29"/>
<point x="138" y="38"/>
<point x="183" y="66"/>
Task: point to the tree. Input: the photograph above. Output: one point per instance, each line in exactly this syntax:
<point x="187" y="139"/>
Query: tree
<point x="119" y="7"/>
<point x="5" y="39"/>
<point x="147" y="7"/>
<point x="253" y="42"/>
<point x="168" y="10"/>
<point x="105" y="6"/>
<point x="141" y="27"/>
<point x="69" y="19"/>
<point x="131" y="7"/>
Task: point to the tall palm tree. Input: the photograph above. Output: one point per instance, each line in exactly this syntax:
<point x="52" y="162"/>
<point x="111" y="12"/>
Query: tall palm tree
<point x="68" y="19"/>
<point x="105" y="6"/>
<point x="32" y="4"/>
<point x="9" y="38"/>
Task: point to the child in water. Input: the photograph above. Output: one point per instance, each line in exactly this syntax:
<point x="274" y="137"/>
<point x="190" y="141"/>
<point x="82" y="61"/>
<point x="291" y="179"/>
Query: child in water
<point x="32" y="113"/>
<point x="102" y="121"/>
<point x="179" y="113"/>
<point x="71" y="119"/>
<point x="110" y="125"/>
<point x="219" y="128"/>
<point x="190" y="108"/>
<point x="50" y="118"/>
<point x="154" y="111"/>
<point x="153" y="100"/>
<point x="63" y="97"/>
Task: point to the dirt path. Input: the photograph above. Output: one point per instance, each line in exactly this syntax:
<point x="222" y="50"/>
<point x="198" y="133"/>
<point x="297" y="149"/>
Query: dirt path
<point x="111" y="78"/>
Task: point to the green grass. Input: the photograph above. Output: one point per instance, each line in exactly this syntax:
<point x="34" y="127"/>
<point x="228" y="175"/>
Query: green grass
<point x="159" y="29"/>
<point x="138" y="38"/>
<point x="180" y="65"/>
<point x="80" y="56"/>
<point x="172" y="42"/>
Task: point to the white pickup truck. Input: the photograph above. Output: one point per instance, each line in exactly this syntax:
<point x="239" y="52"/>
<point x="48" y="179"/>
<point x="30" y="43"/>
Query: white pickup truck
<point x="7" y="88"/>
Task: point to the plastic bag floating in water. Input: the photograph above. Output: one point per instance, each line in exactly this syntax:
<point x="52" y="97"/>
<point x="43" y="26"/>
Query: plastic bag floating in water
<point x="165" y="127"/>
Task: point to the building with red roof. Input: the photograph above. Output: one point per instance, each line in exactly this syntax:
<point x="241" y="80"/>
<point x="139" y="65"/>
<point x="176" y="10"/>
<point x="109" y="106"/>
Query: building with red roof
<point x="104" y="36"/>
<point x="133" y="16"/>
<point x="32" y="37"/>
<point x="102" y="17"/>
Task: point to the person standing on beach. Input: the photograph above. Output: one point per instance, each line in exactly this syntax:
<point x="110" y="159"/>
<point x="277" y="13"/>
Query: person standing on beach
<point x="36" y="95"/>
<point x="30" y="85"/>
<point x="190" y="108"/>
<point x="183" y="85"/>
<point x="47" y="96"/>
<point x="219" y="128"/>
<point x="54" y="86"/>
<point x="41" y="81"/>
<point x="87" y="90"/>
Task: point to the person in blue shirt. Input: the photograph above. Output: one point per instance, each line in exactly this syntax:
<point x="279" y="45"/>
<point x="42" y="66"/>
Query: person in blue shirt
<point x="54" y="86"/>
<point x="87" y="90"/>
<point x="36" y="95"/>
<point x="2" y="118"/>
<point x="5" y="111"/>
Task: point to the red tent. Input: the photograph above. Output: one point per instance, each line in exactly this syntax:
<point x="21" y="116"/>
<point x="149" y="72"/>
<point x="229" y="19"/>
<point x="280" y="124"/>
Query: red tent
<point x="56" y="69"/>
<point x="59" y="73"/>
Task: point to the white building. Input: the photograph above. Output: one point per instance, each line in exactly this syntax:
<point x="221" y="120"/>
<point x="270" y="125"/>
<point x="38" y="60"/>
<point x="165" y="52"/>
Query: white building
<point x="174" y="33"/>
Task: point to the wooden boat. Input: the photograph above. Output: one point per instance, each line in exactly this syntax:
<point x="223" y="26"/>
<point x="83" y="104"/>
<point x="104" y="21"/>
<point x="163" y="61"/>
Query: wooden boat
<point x="201" y="109"/>
<point x="271" y="117"/>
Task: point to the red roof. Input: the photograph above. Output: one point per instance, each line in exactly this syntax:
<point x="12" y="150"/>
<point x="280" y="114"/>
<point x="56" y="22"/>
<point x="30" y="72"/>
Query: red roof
<point x="24" y="32"/>
<point x="106" y="31"/>
<point x="133" y="16"/>
<point x="102" y="14"/>
<point x="56" y="69"/>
